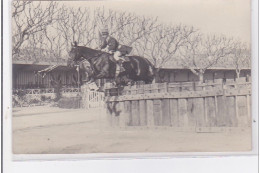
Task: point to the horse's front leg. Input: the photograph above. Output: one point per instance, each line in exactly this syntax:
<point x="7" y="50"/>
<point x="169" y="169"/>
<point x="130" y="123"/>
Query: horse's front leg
<point x="104" y="72"/>
<point x="90" y="81"/>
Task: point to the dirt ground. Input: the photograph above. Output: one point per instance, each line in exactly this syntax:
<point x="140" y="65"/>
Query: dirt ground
<point x="50" y="130"/>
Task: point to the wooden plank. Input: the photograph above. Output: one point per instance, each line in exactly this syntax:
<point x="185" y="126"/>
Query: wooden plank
<point x="242" y="118"/>
<point x="122" y="116"/>
<point x="231" y="111"/>
<point x="135" y="113"/>
<point x="140" y="90"/>
<point x="147" y="88"/>
<point x="142" y="111"/>
<point x="162" y="87"/>
<point x="221" y="129"/>
<point x="187" y="86"/>
<point x="127" y="108"/>
<point x="248" y="106"/>
<point x="230" y="80"/>
<point x="109" y="112"/>
<point x="133" y="90"/>
<point x="157" y="112"/>
<point x="210" y="112"/>
<point x="221" y="111"/>
<point x="184" y="94"/>
<point x="241" y="79"/>
<point x="166" y="117"/>
<point x="174" y="112"/>
<point x="198" y="86"/>
<point x="182" y="112"/>
<point x="149" y="113"/>
<point x="115" y="115"/>
<point x="174" y="87"/>
<point x="195" y="112"/>
<point x="154" y="88"/>
<point x="232" y="92"/>
<point x="115" y="120"/>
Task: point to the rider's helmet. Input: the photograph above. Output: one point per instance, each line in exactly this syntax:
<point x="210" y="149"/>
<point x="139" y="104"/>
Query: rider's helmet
<point x="104" y="31"/>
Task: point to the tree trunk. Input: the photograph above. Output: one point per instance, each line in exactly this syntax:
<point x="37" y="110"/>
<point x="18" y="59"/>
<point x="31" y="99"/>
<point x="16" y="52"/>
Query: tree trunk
<point x="238" y="74"/>
<point x="201" y="77"/>
<point x="199" y="73"/>
<point x="157" y="77"/>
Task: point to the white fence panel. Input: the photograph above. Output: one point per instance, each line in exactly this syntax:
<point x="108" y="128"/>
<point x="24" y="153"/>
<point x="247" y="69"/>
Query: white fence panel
<point x="91" y="99"/>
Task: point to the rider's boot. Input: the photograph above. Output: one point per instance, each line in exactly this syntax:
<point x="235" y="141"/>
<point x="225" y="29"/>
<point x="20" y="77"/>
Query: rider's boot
<point x="117" y="69"/>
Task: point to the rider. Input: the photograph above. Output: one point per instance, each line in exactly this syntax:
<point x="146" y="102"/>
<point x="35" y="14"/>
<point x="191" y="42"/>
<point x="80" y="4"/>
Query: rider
<point x="110" y="44"/>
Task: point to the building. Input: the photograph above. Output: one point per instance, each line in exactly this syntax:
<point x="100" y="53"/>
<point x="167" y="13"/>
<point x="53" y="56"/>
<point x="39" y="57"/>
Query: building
<point x="173" y="71"/>
<point x="29" y="62"/>
<point x="186" y="75"/>
<point x="25" y="68"/>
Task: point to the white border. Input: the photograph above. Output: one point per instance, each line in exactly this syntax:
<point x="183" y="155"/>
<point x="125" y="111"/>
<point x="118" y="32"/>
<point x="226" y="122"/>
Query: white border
<point x="119" y="159"/>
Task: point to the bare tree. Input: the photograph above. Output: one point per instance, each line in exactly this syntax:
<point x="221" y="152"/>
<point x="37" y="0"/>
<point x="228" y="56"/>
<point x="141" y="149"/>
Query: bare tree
<point x="30" y="18"/>
<point x="200" y="53"/>
<point x="77" y="25"/>
<point x="240" y="57"/>
<point x="19" y="7"/>
<point x="162" y="45"/>
<point x="34" y="48"/>
<point x="127" y="28"/>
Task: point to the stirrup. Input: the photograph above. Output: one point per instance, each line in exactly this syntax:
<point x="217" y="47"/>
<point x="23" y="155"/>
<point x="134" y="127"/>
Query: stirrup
<point x="138" y="72"/>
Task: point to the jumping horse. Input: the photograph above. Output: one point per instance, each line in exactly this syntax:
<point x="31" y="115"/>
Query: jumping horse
<point x="104" y="67"/>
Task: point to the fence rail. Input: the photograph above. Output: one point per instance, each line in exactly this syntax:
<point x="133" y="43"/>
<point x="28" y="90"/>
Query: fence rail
<point x="46" y="90"/>
<point x="30" y="97"/>
<point x="177" y="87"/>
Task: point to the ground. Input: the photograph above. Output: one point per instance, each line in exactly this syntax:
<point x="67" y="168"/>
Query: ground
<point x="51" y="130"/>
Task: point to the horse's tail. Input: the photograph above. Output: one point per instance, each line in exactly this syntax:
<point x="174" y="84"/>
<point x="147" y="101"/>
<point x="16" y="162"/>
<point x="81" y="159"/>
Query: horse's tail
<point x="152" y="68"/>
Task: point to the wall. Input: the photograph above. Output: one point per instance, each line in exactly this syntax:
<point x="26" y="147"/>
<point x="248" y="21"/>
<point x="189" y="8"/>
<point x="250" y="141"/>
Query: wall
<point x="184" y="75"/>
<point x="26" y="77"/>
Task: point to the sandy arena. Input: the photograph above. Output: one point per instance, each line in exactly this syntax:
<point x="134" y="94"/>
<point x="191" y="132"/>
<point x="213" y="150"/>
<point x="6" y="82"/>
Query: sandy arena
<point x="50" y="130"/>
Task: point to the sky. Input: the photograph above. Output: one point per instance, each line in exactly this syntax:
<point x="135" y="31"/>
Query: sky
<point x="228" y="17"/>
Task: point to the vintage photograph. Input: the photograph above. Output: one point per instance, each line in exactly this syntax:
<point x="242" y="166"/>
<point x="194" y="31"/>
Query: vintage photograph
<point x="131" y="76"/>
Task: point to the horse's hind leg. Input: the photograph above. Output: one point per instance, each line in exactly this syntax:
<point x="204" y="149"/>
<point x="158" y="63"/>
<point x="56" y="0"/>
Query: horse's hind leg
<point x="102" y="74"/>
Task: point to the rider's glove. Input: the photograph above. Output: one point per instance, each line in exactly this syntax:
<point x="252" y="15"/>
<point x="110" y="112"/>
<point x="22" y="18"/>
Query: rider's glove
<point x="106" y="49"/>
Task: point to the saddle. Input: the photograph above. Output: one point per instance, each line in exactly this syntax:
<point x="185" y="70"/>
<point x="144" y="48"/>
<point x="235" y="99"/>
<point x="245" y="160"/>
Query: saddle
<point x="126" y="58"/>
<point x="125" y="50"/>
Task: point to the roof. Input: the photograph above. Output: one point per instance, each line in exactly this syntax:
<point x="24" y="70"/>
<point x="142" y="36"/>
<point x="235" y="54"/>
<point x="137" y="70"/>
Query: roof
<point x="38" y="56"/>
<point x="221" y="65"/>
<point x="37" y="67"/>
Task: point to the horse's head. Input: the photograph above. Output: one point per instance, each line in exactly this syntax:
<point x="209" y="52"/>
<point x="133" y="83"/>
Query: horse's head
<point x="75" y="53"/>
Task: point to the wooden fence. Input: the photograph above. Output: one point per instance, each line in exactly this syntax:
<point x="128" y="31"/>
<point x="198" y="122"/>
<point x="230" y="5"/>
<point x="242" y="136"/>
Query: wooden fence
<point x="24" y="97"/>
<point x="197" y="106"/>
<point x="46" y="90"/>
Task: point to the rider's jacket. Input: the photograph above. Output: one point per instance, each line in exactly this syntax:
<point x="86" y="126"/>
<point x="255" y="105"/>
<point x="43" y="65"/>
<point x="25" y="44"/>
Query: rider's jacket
<point x="110" y="42"/>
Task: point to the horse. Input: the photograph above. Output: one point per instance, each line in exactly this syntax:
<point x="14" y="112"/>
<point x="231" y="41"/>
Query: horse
<point x="103" y="66"/>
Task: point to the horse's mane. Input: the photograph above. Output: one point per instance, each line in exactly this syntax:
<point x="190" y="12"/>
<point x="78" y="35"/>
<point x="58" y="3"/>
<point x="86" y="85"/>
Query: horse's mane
<point x="91" y="50"/>
<point x="88" y="49"/>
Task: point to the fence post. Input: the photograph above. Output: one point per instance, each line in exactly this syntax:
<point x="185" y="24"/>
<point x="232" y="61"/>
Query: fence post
<point x="87" y="101"/>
